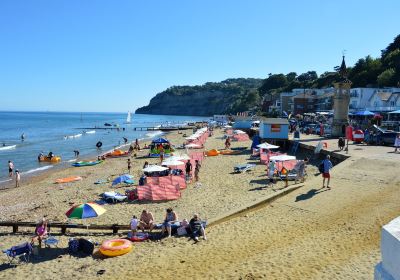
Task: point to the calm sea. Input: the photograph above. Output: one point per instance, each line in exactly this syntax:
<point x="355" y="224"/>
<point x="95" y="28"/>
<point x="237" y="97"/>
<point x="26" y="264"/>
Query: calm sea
<point x="62" y="133"/>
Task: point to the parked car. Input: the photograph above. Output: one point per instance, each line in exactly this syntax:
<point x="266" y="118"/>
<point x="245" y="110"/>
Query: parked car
<point x="381" y="136"/>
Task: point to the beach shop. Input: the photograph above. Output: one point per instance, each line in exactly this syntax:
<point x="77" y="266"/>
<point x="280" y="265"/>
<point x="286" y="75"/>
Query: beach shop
<point x="274" y="130"/>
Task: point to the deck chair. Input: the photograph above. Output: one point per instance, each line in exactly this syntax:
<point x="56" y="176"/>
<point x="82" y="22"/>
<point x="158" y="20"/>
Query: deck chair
<point x="22" y="251"/>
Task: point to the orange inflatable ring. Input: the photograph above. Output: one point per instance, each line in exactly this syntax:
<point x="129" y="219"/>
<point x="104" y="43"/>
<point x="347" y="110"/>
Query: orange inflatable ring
<point x="115" y="247"/>
<point x="68" y="179"/>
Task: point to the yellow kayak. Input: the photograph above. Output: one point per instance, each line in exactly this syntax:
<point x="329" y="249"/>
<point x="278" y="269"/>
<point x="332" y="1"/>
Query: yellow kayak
<point x="54" y="159"/>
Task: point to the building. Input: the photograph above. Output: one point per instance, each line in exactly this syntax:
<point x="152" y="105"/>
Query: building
<point x="374" y="99"/>
<point x="242" y="122"/>
<point x="274" y="129"/>
<point x="301" y="101"/>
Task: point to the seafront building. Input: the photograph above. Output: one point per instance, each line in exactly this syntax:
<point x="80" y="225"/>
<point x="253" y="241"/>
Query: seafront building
<point x="299" y="101"/>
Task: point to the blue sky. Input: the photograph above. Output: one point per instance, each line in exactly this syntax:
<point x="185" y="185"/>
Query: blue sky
<point x="115" y="55"/>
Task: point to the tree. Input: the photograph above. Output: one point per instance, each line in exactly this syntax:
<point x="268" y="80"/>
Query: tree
<point x="386" y="78"/>
<point x="273" y="82"/>
<point x="392" y="47"/>
<point x="291" y="76"/>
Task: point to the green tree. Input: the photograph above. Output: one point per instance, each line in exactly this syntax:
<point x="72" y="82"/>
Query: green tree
<point x="273" y="82"/>
<point x="386" y="78"/>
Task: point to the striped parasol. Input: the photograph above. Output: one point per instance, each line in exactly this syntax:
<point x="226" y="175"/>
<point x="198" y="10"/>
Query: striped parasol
<point x="84" y="211"/>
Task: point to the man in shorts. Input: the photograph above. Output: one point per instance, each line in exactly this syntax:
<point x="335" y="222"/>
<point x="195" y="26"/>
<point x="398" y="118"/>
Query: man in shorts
<point x="326" y="175"/>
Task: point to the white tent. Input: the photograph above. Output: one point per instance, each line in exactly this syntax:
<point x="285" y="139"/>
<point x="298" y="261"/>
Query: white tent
<point x="154" y="168"/>
<point x="239" y="132"/>
<point x="282" y="158"/>
<point x="192" y="146"/>
<point x="267" y="146"/>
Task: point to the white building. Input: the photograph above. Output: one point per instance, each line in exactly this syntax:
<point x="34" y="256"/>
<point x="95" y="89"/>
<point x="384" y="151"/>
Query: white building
<point x="374" y="99"/>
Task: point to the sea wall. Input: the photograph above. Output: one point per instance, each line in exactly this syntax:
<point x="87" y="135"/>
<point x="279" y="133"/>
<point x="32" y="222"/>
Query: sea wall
<point x="389" y="267"/>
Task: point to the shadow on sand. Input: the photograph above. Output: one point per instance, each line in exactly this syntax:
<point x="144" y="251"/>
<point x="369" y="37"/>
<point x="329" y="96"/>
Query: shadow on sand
<point x="310" y="194"/>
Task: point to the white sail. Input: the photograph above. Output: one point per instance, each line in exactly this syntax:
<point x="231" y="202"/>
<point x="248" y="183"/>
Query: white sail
<point x="128" y="118"/>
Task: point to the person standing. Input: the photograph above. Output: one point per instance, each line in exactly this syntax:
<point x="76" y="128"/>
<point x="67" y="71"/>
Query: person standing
<point x="271" y="171"/>
<point x="327" y="165"/>
<point x="129" y="166"/>
<point x="397" y="142"/>
<point x="300" y="167"/>
<point x="227" y="143"/>
<point x="10" y="168"/>
<point x="188" y="170"/>
<point x="161" y="154"/>
<point x="17" y="178"/>
<point x="197" y="170"/>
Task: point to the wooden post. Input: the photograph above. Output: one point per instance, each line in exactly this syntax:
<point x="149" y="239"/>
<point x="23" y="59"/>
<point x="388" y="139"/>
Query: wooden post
<point x="115" y="229"/>
<point x="63" y="229"/>
<point x="287" y="179"/>
<point x="15" y="228"/>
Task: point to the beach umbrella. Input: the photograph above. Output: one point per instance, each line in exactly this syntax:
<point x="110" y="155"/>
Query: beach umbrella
<point x="282" y="158"/>
<point x="121" y="179"/>
<point x="364" y="113"/>
<point x="160" y="141"/>
<point x="238" y="132"/>
<point x="84" y="211"/>
<point x="154" y="168"/>
<point x="172" y="162"/>
<point x="267" y="146"/>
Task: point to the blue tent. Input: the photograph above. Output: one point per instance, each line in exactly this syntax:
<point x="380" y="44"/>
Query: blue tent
<point x="364" y="113"/>
<point x="160" y="141"/>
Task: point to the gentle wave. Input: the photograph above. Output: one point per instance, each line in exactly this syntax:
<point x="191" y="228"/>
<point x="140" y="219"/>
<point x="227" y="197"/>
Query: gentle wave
<point x="3" y="181"/>
<point x="71" y="160"/>
<point x="91" y="132"/>
<point x="73" y="136"/>
<point x="154" y="134"/>
<point x="38" y="169"/>
<point x="4" y="148"/>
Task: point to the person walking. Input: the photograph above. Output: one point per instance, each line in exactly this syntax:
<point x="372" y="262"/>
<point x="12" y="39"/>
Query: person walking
<point x="227" y="143"/>
<point x="10" y="168"/>
<point x="327" y="166"/>
<point x="300" y="168"/>
<point x="17" y="178"/>
<point x="129" y="166"/>
<point x="197" y="170"/>
<point x="188" y="170"/>
<point x="397" y="142"/>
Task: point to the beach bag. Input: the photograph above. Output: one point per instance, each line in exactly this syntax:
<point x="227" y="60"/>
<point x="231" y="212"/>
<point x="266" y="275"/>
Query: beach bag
<point x="73" y="246"/>
<point x="181" y="231"/>
<point x="86" y="246"/>
<point x="321" y="167"/>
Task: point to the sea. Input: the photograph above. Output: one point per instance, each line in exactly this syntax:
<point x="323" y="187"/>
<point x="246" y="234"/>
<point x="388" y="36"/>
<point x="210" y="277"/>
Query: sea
<point x="64" y="132"/>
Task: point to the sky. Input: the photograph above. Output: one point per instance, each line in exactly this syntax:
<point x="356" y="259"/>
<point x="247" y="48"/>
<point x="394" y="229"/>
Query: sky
<point x="114" y="56"/>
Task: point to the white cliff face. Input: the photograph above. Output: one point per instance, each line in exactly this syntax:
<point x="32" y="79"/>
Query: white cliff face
<point x="389" y="268"/>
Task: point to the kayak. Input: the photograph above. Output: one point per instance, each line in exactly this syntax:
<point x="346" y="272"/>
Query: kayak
<point x="68" y="179"/>
<point x="86" y="163"/>
<point x="54" y="159"/>
<point x="230" y="152"/>
<point x="117" y="153"/>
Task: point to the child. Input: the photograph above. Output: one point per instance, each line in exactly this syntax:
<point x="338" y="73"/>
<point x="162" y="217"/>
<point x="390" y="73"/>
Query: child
<point x="129" y="165"/>
<point x="134" y="225"/>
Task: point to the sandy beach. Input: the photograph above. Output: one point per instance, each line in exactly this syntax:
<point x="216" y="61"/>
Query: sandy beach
<point x="310" y="233"/>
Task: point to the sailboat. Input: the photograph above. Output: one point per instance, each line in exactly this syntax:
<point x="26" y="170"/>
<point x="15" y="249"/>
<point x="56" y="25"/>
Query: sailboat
<point x="128" y="117"/>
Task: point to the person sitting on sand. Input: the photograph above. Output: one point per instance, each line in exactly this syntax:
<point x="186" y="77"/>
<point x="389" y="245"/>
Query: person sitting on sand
<point x="146" y="221"/>
<point x="170" y="219"/>
<point x="134" y="225"/>
<point x="196" y="228"/>
<point x="40" y="232"/>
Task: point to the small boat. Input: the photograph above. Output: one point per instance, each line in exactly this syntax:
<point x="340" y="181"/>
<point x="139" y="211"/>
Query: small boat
<point x="107" y="124"/>
<point x="54" y="159"/>
<point x="86" y="163"/>
<point x="68" y="179"/>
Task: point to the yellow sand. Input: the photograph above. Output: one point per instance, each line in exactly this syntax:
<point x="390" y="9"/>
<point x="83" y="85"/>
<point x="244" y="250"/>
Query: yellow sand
<point x="308" y="234"/>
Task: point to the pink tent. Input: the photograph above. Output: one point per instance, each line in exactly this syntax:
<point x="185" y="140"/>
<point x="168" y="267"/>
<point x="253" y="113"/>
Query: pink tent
<point x="158" y="192"/>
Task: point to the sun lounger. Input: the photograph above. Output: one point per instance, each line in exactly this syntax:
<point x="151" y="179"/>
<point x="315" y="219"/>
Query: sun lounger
<point x="23" y="251"/>
<point x="114" y="197"/>
<point x="240" y="168"/>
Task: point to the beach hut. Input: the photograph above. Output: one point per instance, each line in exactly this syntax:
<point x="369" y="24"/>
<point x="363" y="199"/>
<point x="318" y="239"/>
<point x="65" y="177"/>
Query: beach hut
<point x="274" y="129"/>
<point x="243" y="122"/>
<point x="159" y="144"/>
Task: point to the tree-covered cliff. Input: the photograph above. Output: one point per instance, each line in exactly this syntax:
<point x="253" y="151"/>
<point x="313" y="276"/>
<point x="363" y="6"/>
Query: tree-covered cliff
<point x="228" y="96"/>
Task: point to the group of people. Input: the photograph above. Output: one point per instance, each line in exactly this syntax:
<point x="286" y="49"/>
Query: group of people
<point x="171" y="222"/>
<point x="11" y="173"/>
<point x="189" y="168"/>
